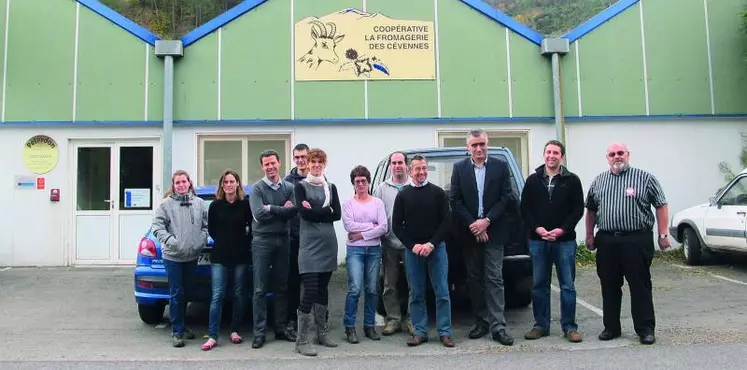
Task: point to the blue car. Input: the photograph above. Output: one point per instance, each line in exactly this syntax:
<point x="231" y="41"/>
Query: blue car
<point x="151" y="285"/>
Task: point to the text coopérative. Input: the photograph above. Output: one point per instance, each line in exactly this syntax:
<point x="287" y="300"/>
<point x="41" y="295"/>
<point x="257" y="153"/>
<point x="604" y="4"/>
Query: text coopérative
<point x="398" y="37"/>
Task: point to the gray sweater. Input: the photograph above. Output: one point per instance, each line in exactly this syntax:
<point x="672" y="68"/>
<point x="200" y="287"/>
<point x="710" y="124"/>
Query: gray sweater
<point x="275" y="220"/>
<point x="387" y="191"/>
<point x="180" y="225"/>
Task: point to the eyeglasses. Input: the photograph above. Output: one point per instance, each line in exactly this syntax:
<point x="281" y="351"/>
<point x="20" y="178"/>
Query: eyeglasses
<point x="619" y="153"/>
<point x="361" y="181"/>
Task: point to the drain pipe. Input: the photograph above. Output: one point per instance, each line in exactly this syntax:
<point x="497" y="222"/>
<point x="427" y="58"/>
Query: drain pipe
<point x="557" y="47"/>
<point x="168" y="49"/>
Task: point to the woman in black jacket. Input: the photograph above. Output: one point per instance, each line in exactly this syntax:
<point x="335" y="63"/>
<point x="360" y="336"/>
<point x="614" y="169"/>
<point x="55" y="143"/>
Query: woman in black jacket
<point x="229" y="223"/>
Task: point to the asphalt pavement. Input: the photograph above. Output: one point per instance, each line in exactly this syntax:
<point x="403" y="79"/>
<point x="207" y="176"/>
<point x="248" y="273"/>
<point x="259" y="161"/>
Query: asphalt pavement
<point x="86" y="318"/>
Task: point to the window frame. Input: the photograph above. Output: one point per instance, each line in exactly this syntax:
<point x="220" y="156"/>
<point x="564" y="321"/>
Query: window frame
<point x="245" y="138"/>
<point x="521" y="134"/>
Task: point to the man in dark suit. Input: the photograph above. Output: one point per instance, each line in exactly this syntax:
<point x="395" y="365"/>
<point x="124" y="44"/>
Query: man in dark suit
<point x="479" y="198"/>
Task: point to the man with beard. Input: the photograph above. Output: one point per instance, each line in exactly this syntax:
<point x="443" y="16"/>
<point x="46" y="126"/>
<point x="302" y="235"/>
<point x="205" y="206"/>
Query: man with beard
<point x="393" y="252"/>
<point x="619" y="204"/>
<point x="552" y="204"/>
<point x="296" y="175"/>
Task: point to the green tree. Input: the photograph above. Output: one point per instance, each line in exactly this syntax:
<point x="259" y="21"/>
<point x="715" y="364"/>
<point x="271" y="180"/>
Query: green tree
<point x="726" y="169"/>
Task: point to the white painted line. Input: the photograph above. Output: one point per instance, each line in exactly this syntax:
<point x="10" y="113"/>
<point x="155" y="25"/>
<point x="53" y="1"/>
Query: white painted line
<point x="161" y="325"/>
<point x="292" y="64"/>
<point x="147" y="81"/>
<point x="578" y="80"/>
<point x="75" y="61"/>
<point x="220" y="57"/>
<point x="5" y="61"/>
<point x="727" y="279"/>
<point x="710" y="59"/>
<point x="645" y="64"/>
<point x="581" y="302"/>
<point x="682" y="266"/>
<point x="438" y="58"/>
<point x="5" y="269"/>
<point x="508" y="67"/>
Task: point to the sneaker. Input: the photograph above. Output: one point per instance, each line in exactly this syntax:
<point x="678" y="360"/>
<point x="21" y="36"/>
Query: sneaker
<point x="391" y="327"/>
<point x="410" y="327"/>
<point x="536" y="333"/>
<point x="573" y="336"/>
<point x="177" y="341"/>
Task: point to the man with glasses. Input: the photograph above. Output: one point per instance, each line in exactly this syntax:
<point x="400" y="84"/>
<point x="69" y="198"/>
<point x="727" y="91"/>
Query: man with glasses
<point x="296" y="175"/>
<point x="619" y="204"/>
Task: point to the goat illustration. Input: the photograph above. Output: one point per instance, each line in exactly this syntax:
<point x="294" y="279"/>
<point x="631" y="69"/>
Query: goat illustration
<point x="324" y="45"/>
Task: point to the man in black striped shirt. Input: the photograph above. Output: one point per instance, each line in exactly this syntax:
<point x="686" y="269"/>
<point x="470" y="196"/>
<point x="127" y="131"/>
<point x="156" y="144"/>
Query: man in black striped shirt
<point x="619" y="204"/>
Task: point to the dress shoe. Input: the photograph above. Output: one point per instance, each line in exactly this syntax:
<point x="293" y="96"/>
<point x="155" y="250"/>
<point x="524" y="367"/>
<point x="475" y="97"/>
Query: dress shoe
<point x="479" y="331"/>
<point x="416" y="340"/>
<point x="258" y="341"/>
<point x="351" y="335"/>
<point x="648" y="339"/>
<point x="447" y="341"/>
<point x="503" y="338"/>
<point x="371" y="333"/>
<point x="608" y="335"/>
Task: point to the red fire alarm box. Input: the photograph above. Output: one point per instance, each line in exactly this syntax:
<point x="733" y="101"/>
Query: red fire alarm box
<point x="54" y="195"/>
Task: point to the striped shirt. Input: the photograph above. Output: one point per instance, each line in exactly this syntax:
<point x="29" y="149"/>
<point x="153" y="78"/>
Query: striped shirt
<point x="623" y="202"/>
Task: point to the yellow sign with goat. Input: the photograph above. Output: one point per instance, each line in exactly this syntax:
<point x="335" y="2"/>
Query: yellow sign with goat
<point x="355" y="45"/>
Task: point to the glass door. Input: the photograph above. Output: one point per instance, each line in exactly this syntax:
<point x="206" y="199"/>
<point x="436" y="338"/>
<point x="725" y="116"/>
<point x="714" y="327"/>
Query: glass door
<point x="117" y="189"/>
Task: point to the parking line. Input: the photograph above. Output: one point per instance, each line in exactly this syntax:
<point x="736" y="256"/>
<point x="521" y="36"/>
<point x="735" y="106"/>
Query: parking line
<point x="717" y="276"/>
<point x="583" y="303"/>
<point x="161" y="325"/>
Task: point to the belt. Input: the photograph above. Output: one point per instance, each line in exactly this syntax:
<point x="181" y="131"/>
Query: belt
<point x="622" y="233"/>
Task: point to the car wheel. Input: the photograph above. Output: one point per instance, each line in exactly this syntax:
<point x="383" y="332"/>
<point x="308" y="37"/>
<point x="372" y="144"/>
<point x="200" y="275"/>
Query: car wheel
<point x="520" y="294"/>
<point x="151" y="314"/>
<point x="693" y="251"/>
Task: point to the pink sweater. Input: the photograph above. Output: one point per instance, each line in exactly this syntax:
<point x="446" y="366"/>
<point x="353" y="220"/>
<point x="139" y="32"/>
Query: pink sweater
<point x="359" y="217"/>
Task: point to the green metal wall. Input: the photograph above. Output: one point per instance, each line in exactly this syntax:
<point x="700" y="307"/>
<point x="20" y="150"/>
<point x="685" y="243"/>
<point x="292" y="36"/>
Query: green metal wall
<point x="41" y="66"/>
<point x="243" y="71"/>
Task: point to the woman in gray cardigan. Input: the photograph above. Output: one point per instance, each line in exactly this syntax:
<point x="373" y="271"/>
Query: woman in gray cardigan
<point x="180" y="225"/>
<point x="318" y="207"/>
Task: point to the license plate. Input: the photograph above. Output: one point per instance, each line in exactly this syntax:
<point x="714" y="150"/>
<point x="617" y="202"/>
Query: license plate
<point x="204" y="259"/>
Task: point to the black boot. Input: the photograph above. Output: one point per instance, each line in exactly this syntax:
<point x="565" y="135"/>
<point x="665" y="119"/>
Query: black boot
<point x="371" y="333"/>
<point x="351" y="335"/>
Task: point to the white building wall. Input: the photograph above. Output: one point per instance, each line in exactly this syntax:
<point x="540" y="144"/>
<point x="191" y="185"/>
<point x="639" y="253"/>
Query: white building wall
<point x="684" y="155"/>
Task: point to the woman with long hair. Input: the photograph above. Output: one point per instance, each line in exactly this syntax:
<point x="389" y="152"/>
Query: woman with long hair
<point x="319" y="207"/>
<point x="180" y="225"/>
<point x="229" y="215"/>
<point x="365" y="220"/>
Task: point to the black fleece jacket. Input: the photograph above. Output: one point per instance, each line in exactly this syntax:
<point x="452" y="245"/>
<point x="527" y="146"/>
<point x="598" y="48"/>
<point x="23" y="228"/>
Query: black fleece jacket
<point x="563" y="210"/>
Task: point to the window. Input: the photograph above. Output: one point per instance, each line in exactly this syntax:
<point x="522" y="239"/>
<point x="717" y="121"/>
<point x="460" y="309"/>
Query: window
<point x="240" y="153"/>
<point x="515" y="141"/>
<point x="737" y="194"/>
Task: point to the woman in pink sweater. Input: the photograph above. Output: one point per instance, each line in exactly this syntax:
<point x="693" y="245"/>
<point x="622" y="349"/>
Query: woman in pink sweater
<point x="365" y="220"/>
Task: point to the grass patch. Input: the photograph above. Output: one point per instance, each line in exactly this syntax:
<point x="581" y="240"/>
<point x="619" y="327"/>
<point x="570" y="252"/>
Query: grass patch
<point x="587" y="258"/>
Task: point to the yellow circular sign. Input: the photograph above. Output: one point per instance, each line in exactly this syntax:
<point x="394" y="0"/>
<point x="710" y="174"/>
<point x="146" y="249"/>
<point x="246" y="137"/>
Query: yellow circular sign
<point x="40" y="154"/>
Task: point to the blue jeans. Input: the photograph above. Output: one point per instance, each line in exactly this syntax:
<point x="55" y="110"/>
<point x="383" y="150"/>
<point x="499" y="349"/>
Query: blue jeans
<point x="363" y="265"/>
<point x="544" y="255"/>
<point x="219" y="279"/>
<point x="437" y="264"/>
<point x="180" y="277"/>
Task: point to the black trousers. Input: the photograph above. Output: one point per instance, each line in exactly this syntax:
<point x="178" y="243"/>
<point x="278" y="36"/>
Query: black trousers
<point x="629" y="256"/>
<point x="294" y="282"/>
<point x="315" y="290"/>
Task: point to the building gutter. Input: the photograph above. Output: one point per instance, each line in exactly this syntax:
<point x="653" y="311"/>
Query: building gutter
<point x="168" y="50"/>
<point x="556" y="48"/>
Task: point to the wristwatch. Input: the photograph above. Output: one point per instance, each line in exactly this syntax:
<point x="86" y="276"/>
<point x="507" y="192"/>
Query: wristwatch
<point x="663" y="236"/>
<point x="487" y="219"/>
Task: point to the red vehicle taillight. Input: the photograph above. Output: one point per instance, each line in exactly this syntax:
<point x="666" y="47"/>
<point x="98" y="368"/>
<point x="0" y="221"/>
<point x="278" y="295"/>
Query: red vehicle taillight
<point x="146" y="248"/>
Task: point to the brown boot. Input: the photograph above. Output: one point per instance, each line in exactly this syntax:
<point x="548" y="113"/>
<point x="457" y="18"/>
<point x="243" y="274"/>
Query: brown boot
<point x="536" y="333"/>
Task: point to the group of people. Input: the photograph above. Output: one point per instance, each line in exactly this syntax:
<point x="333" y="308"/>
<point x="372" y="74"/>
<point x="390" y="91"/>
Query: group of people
<point x="285" y="229"/>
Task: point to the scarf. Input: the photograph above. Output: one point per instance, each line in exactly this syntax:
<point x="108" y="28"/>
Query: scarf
<point x="319" y="180"/>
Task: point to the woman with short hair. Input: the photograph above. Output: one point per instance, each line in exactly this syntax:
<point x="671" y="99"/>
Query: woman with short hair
<point x="365" y="220"/>
<point x="319" y="207"/>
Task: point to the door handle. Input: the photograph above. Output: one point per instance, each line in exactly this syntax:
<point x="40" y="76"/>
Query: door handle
<point x="742" y="213"/>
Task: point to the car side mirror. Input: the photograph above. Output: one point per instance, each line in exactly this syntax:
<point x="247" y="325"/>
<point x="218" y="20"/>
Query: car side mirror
<point x="712" y="201"/>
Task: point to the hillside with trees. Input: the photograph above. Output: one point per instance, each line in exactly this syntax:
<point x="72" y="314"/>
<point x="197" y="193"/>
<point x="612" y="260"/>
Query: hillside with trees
<point x="171" y="19"/>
